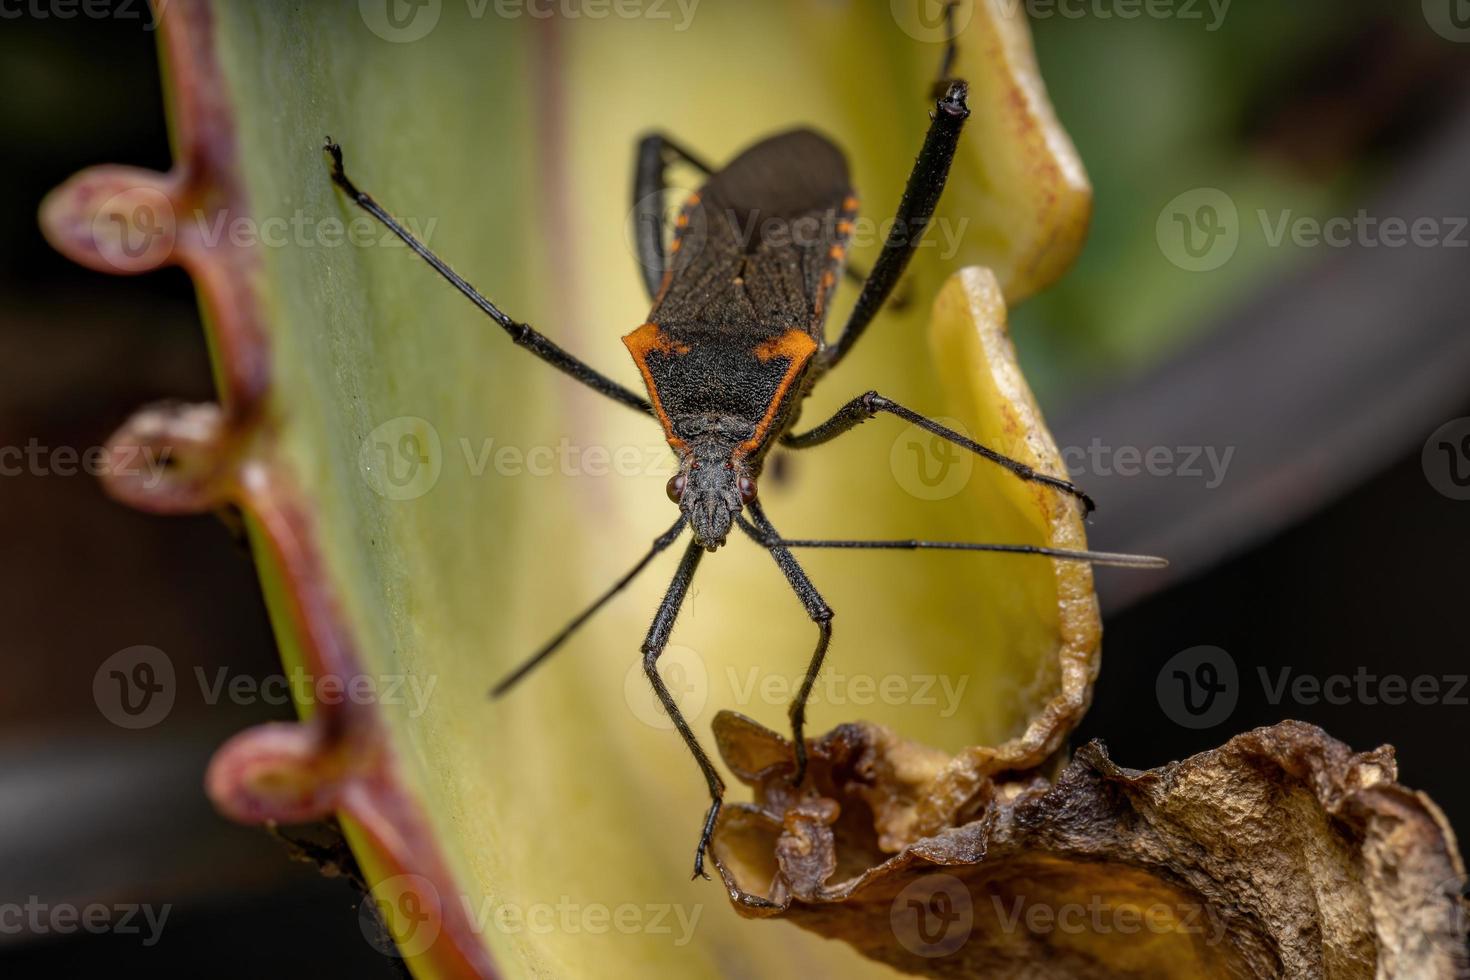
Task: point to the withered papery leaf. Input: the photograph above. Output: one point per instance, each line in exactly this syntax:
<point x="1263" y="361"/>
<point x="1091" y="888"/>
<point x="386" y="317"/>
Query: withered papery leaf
<point x="1280" y="854"/>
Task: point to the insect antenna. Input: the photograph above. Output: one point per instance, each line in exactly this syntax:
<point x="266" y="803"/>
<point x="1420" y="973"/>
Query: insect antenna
<point x="1110" y="558"/>
<point x="532" y="662"/>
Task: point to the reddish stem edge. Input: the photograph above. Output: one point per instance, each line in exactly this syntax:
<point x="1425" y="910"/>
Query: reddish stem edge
<point x="339" y="759"/>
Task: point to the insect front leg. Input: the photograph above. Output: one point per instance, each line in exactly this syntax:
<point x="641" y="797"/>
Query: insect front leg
<point x="951" y="49"/>
<point x="865" y="406"/>
<point x="653" y="648"/>
<point x="521" y="334"/>
<point x="555" y="643"/>
<point x="816" y="608"/>
<point x="920" y="198"/>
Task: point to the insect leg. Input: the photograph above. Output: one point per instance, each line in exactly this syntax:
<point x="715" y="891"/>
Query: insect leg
<point x="865" y="406"/>
<point x="554" y="644"/>
<point x="816" y="607"/>
<point x="951" y="49"/>
<point x="920" y="197"/>
<point x="653" y="647"/>
<point x="656" y="152"/>
<point x="522" y="334"/>
<point x="1110" y="558"/>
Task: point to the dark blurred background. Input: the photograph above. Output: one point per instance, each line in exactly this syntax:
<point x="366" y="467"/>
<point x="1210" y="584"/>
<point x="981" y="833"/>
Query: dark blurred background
<point x="1333" y="543"/>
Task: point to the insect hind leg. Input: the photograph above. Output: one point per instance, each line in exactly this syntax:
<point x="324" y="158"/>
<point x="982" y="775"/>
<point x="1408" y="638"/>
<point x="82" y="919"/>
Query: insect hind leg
<point x="655" y="154"/>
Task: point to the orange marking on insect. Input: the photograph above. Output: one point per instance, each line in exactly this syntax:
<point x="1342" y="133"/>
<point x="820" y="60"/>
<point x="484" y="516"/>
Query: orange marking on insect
<point x="844" y="227"/>
<point x="850" y="204"/>
<point x="682" y="221"/>
<point x="649" y="339"/>
<point x="836" y="252"/>
<point x="797" y="346"/>
<point x="674" y="245"/>
<point x="793" y="344"/>
<point x="825" y="287"/>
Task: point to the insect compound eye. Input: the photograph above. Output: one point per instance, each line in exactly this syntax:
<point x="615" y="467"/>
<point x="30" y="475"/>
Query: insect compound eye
<point x="746" y="486"/>
<point x="675" y="487"/>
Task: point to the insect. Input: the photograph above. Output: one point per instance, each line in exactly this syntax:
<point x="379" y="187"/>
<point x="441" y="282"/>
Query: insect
<point x="734" y="343"/>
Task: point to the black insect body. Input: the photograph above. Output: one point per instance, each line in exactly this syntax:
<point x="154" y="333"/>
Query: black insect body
<point x="728" y="349"/>
<point x="732" y="345"/>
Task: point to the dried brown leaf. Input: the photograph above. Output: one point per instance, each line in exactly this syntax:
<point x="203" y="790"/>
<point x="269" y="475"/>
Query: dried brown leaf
<point x="1280" y="854"/>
